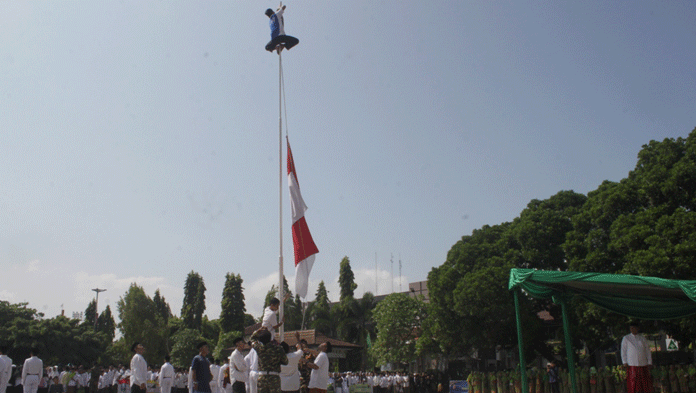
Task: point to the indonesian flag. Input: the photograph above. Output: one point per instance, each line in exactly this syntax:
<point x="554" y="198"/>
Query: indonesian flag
<point x="305" y="249"/>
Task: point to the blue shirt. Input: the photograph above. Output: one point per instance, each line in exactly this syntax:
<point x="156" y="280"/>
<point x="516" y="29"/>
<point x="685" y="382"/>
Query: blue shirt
<point x="201" y="367"/>
<point x="275" y="26"/>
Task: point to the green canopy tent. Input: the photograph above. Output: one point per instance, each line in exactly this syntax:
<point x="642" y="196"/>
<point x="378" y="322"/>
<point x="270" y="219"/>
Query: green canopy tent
<point x="633" y="296"/>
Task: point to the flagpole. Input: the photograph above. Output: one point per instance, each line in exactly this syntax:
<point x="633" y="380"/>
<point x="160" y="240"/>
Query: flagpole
<point x="281" y="312"/>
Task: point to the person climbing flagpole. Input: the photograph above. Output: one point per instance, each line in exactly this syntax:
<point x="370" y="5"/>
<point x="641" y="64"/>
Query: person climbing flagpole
<point x="280" y="41"/>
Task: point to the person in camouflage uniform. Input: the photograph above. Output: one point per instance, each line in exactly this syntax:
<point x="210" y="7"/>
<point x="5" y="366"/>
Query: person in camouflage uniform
<point x="305" y="371"/>
<point x="271" y="356"/>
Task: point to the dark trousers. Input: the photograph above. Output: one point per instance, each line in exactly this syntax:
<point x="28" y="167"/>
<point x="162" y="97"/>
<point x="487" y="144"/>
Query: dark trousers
<point x="238" y="387"/>
<point x="137" y="389"/>
<point x="287" y="41"/>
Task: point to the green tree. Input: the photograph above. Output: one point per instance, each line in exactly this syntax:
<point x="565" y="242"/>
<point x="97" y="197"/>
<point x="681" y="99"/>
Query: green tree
<point x="106" y="324"/>
<point x="319" y="311"/>
<point x="221" y="350"/>
<point x="292" y="308"/>
<point x="162" y="307"/>
<point x="642" y="225"/>
<point x="90" y="315"/>
<point x="194" y="301"/>
<point x="398" y="318"/>
<point x="141" y="322"/>
<point x="184" y="346"/>
<point x="233" y="308"/>
<point x="346" y="280"/>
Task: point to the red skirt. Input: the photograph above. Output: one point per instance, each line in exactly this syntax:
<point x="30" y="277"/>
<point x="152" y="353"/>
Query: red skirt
<point x="639" y="380"/>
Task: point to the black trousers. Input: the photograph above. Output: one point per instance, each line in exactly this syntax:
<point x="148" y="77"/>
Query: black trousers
<point x="286" y="40"/>
<point x="238" y="387"/>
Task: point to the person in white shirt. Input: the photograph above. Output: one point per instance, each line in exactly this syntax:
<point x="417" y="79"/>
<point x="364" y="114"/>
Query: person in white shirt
<point x="138" y="368"/>
<point x="32" y="372"/>
<point x="270" y="317"/>
<point x="290" y="374"/>
<point x="252" y="361"/>
<point x="637" y="359"/>
<point x="223" y="379"/>
<point x="214" y="372"/>
<point x="5" y="369"/>
<point x="166" y="376"/>
<point x="238" y="367"/>
<point x="319" y="378"/>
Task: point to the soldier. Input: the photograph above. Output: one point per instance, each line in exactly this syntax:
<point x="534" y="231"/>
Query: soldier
<point x="32" y="372"/>
<point x="271" y="357"/>
<point x="305" y="371"/>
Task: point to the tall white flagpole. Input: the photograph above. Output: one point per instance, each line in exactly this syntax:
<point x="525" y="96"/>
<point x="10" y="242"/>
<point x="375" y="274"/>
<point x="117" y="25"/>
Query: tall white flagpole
<point x="281" y="312"/>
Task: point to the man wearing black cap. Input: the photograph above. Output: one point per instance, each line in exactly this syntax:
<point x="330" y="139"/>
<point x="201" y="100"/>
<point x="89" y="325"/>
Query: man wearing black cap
<point x="200" y="370"/>
<point x="138" y="367"/>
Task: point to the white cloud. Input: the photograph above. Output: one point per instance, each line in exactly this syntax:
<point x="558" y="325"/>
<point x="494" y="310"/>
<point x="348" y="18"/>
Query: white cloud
<point x="33" y="266"/>
<point x="7" y="295"/>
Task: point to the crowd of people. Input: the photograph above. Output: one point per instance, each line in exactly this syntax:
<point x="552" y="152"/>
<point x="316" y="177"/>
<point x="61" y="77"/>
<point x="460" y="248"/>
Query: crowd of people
<point x="268" y="366"/>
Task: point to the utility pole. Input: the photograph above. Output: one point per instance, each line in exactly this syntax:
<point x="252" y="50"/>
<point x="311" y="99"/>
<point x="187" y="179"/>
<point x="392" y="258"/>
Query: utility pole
<point x="399" y="273"/>
<point x="392" y="271"/>
<point x="96" y="305"/>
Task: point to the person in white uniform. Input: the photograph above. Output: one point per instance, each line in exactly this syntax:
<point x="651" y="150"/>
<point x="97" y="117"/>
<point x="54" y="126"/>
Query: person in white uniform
<point x="290" y="373"/>
<point x="32" y="372"/>
<point x="319" y="378"/>
<point x="166" y="376"/>
<point x="239" y="369"/>
<point x="138" y="369"/>
<point x="270" y="316"/>
<point x="252" y="361"/>
<point x="5" y="369"/>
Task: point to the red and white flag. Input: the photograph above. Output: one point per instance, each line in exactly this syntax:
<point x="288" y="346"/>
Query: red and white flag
<point x="305" y="249"/>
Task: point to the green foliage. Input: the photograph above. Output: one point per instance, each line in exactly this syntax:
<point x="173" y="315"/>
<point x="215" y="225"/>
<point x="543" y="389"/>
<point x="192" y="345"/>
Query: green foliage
<point x="643" y="225"/>
<point x="106" y="324"/>
<point x="233" y="308"/>
<point x="249" y="320"/>
<point x="398" y="318"/>
<point x="162" y="307"/>
<point x="462" y="315"/>
<point x="292" y="308"/>
<point x="224" y="346"/>
<point x="319" y="311"/>
<point x="346" y="280"/>
<point x="193" y="306"/>
<point x="184" y="346"/>
<point x="141" y="322"/>
<point x="60" y="340"/>
<point x="210" y="330"/>
<point x="90" y="315"/>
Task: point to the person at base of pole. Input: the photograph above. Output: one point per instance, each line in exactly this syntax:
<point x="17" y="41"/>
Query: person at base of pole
<point x="637" y="359"/>
<point x="278" y="38"/>
<point x="552" y="372"/>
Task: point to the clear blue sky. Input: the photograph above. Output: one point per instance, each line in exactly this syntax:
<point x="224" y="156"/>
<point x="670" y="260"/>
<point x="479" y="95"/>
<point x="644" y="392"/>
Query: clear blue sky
<point x="140" y="138"/>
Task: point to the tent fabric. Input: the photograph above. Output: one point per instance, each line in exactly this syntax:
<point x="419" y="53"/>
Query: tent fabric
<point x="634" y="296"/>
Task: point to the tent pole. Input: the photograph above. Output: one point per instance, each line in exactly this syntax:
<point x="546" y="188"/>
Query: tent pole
<point x="520" y="344"/>
<point x="569" y="346"/>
